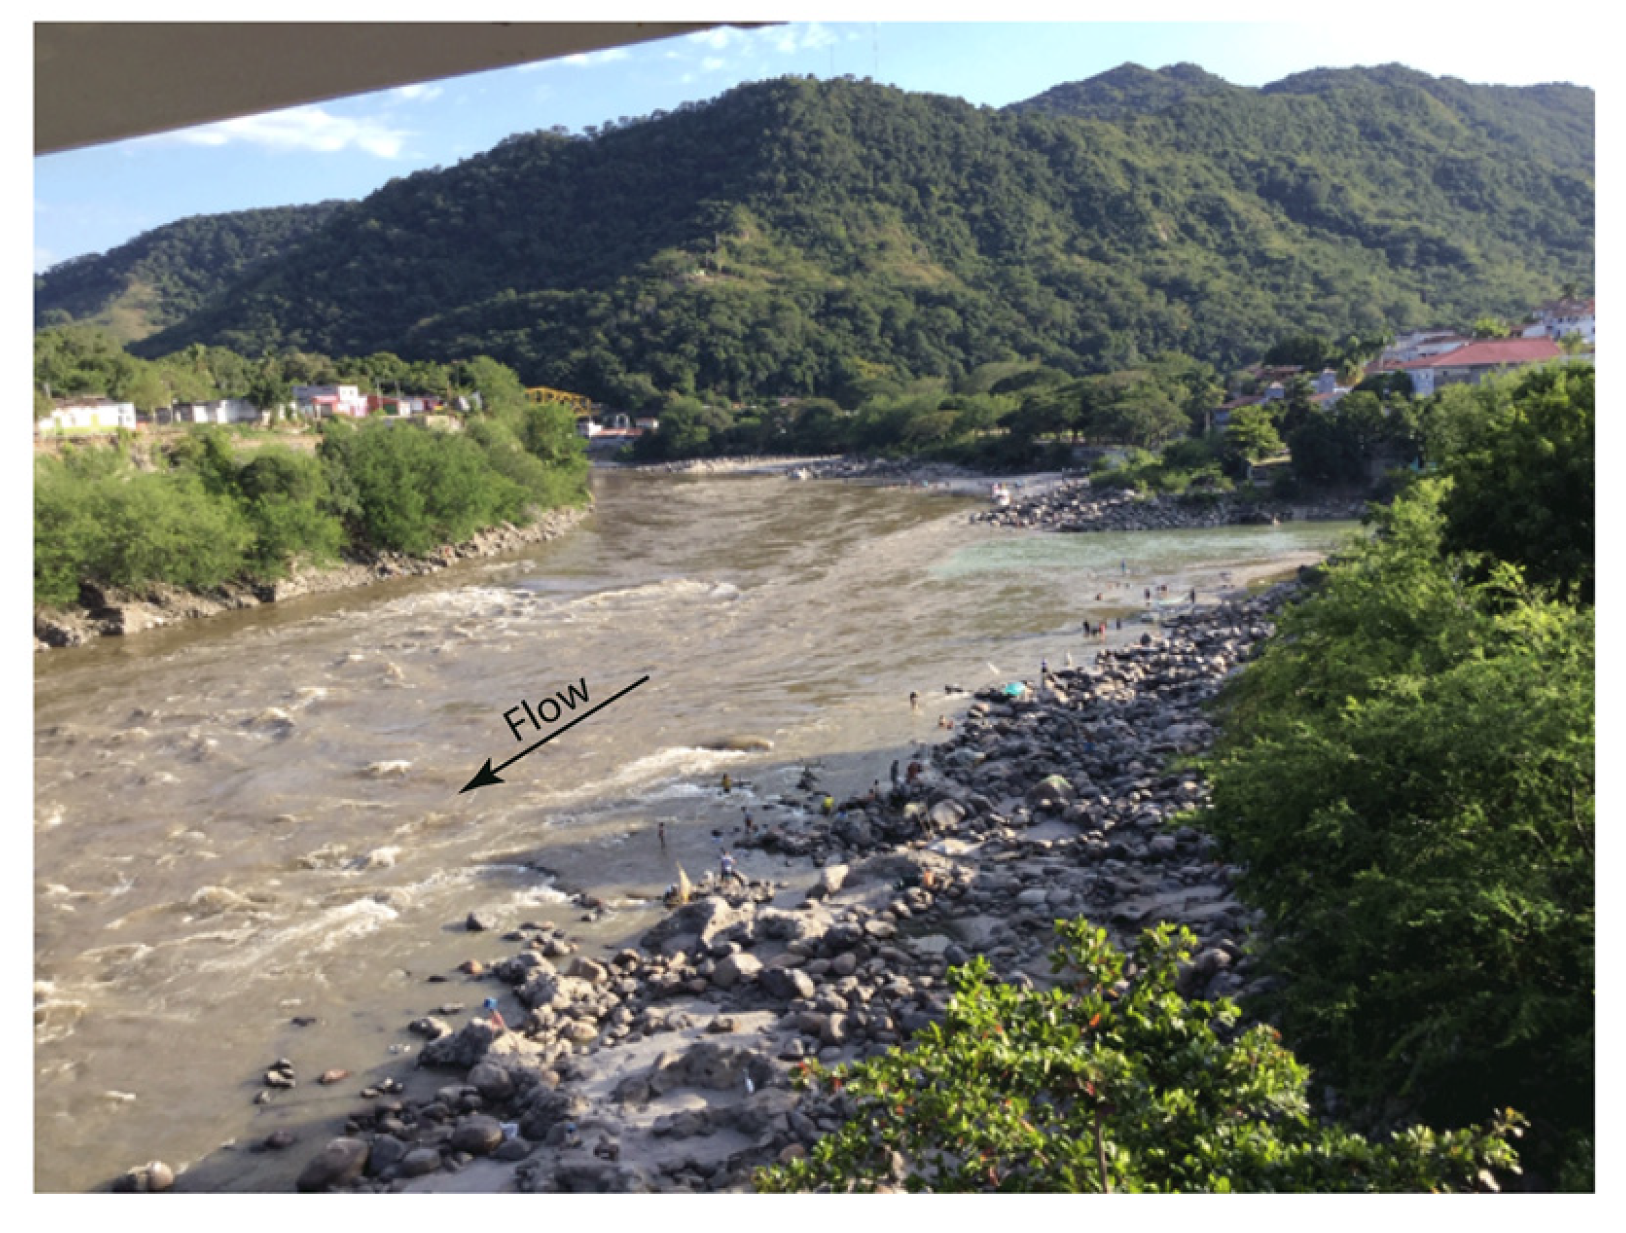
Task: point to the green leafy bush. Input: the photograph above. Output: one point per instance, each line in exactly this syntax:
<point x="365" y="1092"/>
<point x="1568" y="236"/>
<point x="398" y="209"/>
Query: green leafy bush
<point x="1407" y="777"/>
<point x="1110" y="1081"/>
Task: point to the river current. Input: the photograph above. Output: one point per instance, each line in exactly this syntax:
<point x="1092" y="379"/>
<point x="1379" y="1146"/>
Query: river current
<point x="256" y="819"/>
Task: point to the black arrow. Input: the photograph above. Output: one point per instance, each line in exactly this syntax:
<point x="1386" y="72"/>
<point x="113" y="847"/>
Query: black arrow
<point x="488" y="774"/>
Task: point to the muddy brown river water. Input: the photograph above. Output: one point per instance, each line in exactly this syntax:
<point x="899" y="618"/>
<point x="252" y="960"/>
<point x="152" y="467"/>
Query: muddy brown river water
<point x="256" y="819"/>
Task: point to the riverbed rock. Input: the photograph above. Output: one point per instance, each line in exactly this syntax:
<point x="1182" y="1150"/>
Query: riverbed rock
<point x="785" y="984"/>
<point x="154" y="1177"/>
<point x="702" y="924"/>
<point x="479" y="1134"/>
<point x="419" y="1161"/>
<point x="461" y="1049"/>
<point x="735" y="968"/>
<point x="831" y="880"/>
<point x="340" y="1162"/>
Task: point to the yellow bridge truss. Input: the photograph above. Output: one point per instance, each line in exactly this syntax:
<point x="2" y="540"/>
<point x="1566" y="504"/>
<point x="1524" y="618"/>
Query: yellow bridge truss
<point x="579" y="403"/>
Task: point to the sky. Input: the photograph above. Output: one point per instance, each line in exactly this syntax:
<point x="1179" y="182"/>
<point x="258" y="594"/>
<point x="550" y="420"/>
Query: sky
<point x="92" y="200"/>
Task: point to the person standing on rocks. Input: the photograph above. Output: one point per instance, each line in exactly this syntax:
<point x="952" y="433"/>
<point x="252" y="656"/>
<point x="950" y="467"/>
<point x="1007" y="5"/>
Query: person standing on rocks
<point x="914" y="702"/>
<point x="495" y="1015"/>
<point x="730" y="873"/>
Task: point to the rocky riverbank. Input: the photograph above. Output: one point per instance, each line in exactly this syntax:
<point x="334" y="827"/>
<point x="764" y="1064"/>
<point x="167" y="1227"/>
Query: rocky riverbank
<point x="666" y="1066"/>
<point x="111" y="611"/>
<point x="1076" y="506"/>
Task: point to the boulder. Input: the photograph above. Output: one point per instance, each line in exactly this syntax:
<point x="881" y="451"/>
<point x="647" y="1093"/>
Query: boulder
<point x="154" y="1177"/>
<point x="552" y="991"/>
<point x="831" y="879"/>
<point x="418" y="1161"/>
<point x="1050" y="792"/>
<point x="710" y="920"/>
<point x="785" y="984"/>
<point x="386" y="1152"/>
<point x="591" y="971"/>
<point x="733" y="969"/>
<point x="339" y="1163"/>
<point x="460" y="1050"/>
<point x="493" y="1082"/>
<point x="479" y="1134"/>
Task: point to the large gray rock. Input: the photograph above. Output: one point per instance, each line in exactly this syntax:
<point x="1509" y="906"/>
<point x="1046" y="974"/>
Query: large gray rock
<point x="479" y="1134"/>
<point x="732" y="969"/>
<point x="779" y="925"/>
<point x="460" y="1050"/>
<point x="1050" y="792"/>
<point x="553" y="991"/>
<point x="785" y="983"/>
<point x="387" y="1152"/>
<point x="418" y="1161"/>
<point x="154" y="1177"/>
<point x="831" y="880"/>
<point x="339" y="1163"/>
<point x="493" y="1082"/>
<point x="710" y="920"/>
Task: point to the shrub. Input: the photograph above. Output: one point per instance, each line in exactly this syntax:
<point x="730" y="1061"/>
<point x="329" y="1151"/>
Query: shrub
<point x="1110" y="1081"/>
<point x="1407" y="779"/>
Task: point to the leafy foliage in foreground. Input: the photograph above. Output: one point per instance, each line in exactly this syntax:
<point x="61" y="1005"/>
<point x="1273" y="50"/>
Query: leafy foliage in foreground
<point x="1408" y="779"/>
<point x="1110" y="1081"/>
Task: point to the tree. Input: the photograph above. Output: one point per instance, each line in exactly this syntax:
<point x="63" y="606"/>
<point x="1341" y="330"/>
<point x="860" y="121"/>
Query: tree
<point x="1406" y="779"/>
<point x="1524" y="491"/>
<point x="1109" y="1081"/>
<point x="1251" y="436"/>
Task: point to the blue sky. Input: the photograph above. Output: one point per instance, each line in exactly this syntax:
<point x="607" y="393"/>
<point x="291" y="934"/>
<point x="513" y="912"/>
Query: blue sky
<point x="95" y="199"/>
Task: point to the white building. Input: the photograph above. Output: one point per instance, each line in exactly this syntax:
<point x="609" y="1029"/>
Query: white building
<point x="1421" y="344"/>
<point x="1557" y="318"/>
<point x="220" y="411"/>
<point x="88" y="415"/>
<point x="324" y="400"/>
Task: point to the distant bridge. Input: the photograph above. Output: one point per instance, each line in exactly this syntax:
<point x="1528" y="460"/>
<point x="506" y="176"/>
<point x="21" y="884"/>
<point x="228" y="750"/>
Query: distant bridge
<point x="579" y="403"/>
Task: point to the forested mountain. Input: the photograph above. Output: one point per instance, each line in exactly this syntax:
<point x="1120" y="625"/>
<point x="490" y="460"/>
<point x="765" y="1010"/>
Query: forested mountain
<point x="163" y="275"/>
<point x="805" y="237"/>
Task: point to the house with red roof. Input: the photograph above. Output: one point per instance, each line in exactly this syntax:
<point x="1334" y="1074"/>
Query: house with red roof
<point x="1471" y="363"/>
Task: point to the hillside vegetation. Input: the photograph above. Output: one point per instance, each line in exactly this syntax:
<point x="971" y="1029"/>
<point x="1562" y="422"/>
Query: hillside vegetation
<point x="796" y="237"/>
<point x="162" y="276"/>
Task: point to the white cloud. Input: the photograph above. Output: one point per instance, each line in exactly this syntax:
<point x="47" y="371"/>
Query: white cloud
<point x="718" y="37"/>
<point x="712" y="64"/>
<point x="591" y="59"/>
<point x="811" y="37"/>
<point x="299" y="128"/>
<point x="422" y="92"/>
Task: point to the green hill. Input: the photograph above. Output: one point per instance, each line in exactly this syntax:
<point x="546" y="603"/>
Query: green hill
<point x="163" y="275"/>
<point x="805" y="237"/>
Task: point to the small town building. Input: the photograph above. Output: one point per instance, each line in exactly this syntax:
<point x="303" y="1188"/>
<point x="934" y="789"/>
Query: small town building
<point x="326" y="400"/>
<point x="219" y="411"/>
<point x="1471" y="363"/>
<point x="88" y="415"/>
<point x="1558" y="318"/>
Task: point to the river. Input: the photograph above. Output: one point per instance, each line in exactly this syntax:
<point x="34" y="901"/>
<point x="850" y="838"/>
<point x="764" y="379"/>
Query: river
<point x="256" y="819"/>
